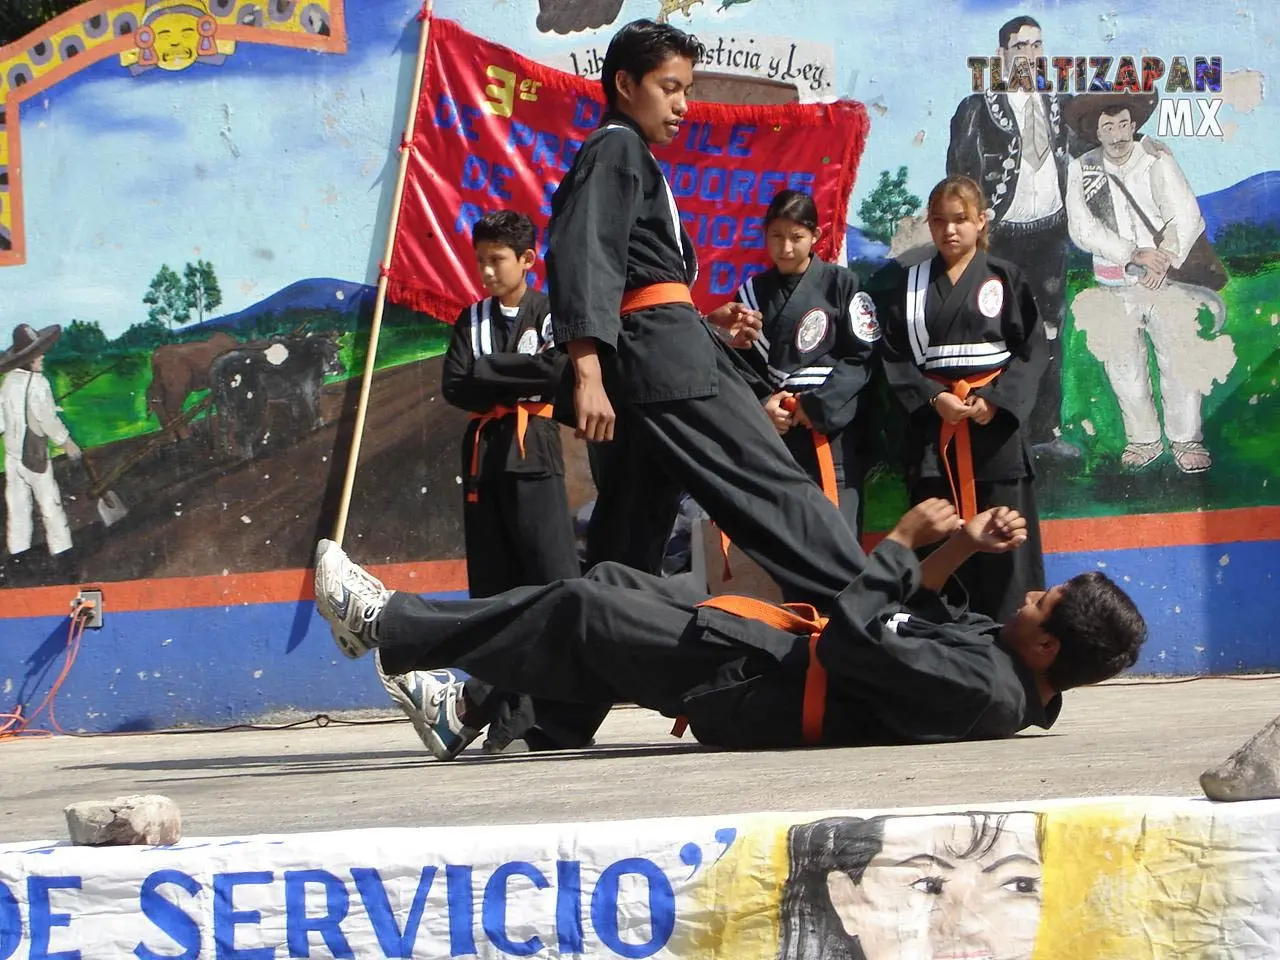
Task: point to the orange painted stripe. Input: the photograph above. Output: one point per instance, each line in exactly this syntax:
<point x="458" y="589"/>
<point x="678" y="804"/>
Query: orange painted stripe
<point x="1137" y="532"/>
<point x="232" y="590"/>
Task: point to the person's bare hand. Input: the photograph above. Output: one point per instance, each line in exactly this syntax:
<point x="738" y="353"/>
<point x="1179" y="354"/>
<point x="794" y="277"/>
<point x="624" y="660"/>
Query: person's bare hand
<point x="926" y="523"/>
<point x="997" y="530"/>
<point x="740" y="324"/>
<point x="951" y="408"/>
<point x="595" y="413"/>
<point x="800" y="418"/>
<point x="981" y="411"/>
<point x="72" y="449"/>
<point x="779" y="415"/>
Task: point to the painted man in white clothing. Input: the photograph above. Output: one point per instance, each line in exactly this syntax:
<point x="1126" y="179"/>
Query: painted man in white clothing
<point x="28" y="422"/>
<point x="1136" y="214"/>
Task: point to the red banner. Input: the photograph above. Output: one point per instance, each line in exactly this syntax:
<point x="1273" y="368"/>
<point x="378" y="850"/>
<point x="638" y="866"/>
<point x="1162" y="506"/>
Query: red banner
<point x="496" y="130"/>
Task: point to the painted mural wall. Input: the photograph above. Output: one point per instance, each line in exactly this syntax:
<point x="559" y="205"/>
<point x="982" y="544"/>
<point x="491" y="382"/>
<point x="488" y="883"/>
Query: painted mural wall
<point x="196" y="193"/>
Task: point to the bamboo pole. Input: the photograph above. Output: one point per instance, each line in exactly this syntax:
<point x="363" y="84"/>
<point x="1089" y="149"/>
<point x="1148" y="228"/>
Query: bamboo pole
<point x="362" y="407"/>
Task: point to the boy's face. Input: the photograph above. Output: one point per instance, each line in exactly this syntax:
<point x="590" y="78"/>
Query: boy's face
<point x="1025" y="635"/>
<point x="502" y="270"/>
<point x="658" y="103"/>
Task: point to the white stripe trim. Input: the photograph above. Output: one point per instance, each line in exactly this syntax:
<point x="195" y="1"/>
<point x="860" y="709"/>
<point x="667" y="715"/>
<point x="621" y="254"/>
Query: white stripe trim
<point x="486" y="329"/>
<point x="475" y="329"/>
<point x="984" y="349"/>
<point x="993" y="362"/>
<point x="917" y="293"/>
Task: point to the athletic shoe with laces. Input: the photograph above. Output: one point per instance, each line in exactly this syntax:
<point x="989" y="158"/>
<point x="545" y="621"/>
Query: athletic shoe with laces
<point x="350" y="598"/>
<point x="430" y="699"/>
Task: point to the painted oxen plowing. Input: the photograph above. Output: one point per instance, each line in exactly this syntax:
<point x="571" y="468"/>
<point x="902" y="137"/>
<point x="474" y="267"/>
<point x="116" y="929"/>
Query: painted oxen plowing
<point x="177" y="371"/>
<point x="289" y="370"/>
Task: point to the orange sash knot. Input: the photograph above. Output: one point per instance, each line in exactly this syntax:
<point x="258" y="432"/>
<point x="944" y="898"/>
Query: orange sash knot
<point x="522" y="411"/>
<point x="964" y="489"/>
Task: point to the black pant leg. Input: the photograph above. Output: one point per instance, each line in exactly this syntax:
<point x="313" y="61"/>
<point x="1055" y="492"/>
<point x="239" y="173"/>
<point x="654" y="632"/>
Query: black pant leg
<point x="574" y="640"/>
<point x="540" y="532"/>
<point x="726" y="453"/>
<point x="637" y="502"/>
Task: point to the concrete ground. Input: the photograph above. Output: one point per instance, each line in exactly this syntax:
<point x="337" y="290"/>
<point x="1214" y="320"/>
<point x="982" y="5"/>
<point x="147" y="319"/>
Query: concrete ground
<point x="1120" y="739"/>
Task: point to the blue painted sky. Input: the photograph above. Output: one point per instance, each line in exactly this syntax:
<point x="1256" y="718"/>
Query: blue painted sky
<point x="279" y="165"/>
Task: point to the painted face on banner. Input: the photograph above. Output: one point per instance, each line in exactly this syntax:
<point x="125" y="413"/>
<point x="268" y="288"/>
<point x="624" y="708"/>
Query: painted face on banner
<point x="945" y="888"/>
<point x="502" y="270"/>
<point x="1027" y="42"/>
<point x="790" y="245"/>
<point x="658" y="102"/>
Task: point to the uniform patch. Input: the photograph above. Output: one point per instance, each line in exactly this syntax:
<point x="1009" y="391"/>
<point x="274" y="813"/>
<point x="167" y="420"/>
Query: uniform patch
<point x="862" y="317"/>
<point x="991" y="298"/>
<point x="528" y="342"/>
<point x="812" y="329"/>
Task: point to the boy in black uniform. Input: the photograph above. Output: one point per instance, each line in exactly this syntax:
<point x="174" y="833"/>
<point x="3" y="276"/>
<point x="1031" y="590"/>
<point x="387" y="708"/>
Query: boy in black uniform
<point x="964" y="351"/>
<point x="893" y="664"/>
<point x="816" y="349"/>
<point x="620" y="264"/>
<point x="502" y="367"/>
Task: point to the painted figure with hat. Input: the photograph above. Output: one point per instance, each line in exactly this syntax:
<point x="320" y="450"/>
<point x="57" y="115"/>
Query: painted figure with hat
<point x="1135" y="212"/>
<point x="28" y="421"/>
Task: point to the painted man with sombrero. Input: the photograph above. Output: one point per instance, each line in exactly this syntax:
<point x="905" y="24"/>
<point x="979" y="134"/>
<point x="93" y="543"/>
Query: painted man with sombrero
<point x="28" y="421"/>
<point x="1134" y="211"/>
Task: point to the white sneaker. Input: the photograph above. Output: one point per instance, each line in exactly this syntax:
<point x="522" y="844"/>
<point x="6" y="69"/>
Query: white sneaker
<point x="430" y="699"/>
<point x="350" y="598"/>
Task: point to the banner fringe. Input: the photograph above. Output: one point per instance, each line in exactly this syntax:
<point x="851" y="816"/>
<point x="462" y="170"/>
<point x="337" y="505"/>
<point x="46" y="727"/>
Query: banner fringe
<point x="424" y="300"/>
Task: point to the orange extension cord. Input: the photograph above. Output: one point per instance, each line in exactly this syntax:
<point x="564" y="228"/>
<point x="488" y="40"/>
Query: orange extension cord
<point x="16" y="725"/>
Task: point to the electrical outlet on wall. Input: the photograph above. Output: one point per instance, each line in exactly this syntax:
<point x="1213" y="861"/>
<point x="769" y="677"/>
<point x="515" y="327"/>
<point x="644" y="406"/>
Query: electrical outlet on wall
<point x="93" y="600"/>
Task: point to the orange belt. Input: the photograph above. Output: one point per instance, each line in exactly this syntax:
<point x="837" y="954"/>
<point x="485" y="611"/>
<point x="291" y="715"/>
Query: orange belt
<point x="964" y="490"/>
<point x="523" y="412"/>
<point x="654" y="295"/>
<point x="793" y="618"/>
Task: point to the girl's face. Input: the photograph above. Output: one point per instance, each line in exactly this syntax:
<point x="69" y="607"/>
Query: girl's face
<point x="954" y="228"/>
<point x="790" y="245"/>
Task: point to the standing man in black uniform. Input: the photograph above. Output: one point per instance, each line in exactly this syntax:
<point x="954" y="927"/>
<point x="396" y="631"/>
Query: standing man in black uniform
<point x="620" y="265"/>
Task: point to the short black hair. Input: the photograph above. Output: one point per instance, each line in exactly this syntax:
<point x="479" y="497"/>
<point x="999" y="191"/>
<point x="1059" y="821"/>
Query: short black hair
<point x="1013" y="26"/>
<point x="1099" y="628"/>
<point x="793" y="205"/>
<point x="641" y="46"/>
<point x="508" y="228"/>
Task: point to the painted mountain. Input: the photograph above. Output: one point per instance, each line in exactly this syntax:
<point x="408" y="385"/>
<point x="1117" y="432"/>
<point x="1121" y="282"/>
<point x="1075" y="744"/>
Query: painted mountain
<point x="1256" y="200"/>
<point x="344" y="298"/>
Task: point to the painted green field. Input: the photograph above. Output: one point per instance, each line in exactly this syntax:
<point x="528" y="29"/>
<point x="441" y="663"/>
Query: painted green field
<point x="1242" y="429"/>
<point x="114" y="406"/>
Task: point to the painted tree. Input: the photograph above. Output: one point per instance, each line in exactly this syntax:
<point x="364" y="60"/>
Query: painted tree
<point x="200" y="288"/>
<point x="167" y="298"/>
<point x="887" y="204"/>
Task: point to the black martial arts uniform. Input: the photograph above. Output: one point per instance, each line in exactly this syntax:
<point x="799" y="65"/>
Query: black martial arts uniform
<point x="936" y="335"/>
<point x="687" y="417"/>
<point x="901" y="666"/>
<point x="818" y="342"/>
<point x="516" y="519"/>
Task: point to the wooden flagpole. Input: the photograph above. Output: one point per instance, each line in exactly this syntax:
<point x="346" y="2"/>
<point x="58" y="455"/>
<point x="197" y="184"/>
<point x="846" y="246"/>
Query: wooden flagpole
<point x="362" y="408"/>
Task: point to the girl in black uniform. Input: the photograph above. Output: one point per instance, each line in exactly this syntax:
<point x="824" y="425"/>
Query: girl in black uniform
<point x="964" y="351"/>
<point x="817" y="350"/>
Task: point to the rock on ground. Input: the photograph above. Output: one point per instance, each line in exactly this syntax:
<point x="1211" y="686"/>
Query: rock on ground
<point x="125" y="821"/>
<point x="1251" y="773"/>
